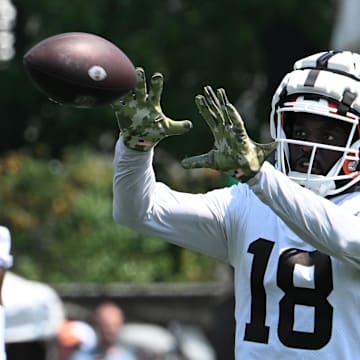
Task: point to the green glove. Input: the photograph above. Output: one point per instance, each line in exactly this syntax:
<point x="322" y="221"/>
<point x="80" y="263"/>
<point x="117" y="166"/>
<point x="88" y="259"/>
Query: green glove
<point x="234" y="153"/>
<point x="140" y="117"/>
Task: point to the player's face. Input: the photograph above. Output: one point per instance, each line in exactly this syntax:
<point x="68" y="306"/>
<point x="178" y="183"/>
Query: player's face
<point x="317" y="129"/>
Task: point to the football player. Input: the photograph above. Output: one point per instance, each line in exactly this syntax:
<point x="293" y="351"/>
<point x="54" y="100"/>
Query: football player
<point x="6" y="261"/>
<point x="290" y="231"/>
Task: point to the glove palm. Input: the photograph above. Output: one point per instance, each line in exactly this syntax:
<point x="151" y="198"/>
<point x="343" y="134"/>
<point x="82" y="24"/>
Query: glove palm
<point x="140" y="117"/>
<point x="234" y="152"/>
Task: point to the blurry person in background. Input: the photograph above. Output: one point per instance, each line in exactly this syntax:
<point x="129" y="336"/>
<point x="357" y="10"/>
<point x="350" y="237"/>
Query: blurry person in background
<point x="6" y="261"/>
<point x="108" y="323"/>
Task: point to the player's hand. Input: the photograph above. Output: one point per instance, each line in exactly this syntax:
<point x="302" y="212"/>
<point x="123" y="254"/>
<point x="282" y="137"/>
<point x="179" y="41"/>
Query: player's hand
<point x="234" y="153"/>
<point x="140" y="118"/>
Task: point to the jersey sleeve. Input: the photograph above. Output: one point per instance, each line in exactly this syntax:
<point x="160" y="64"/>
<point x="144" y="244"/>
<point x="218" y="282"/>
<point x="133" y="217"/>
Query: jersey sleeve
<point x="6" y="259"/>
<point x="330" y="228"/>
<point x="193" y="221"/>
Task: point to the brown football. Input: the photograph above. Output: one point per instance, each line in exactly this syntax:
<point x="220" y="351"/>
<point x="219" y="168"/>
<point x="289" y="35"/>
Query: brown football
<point x="80" y="69"/>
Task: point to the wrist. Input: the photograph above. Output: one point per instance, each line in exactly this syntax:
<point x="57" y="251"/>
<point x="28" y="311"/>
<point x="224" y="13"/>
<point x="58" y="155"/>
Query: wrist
<point x="137" y="142"/>
<point x="242" y="175"/>
<point x="139" y="145"/>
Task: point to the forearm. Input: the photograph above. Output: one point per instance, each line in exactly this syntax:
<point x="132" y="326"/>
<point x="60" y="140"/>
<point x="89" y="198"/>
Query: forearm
<point x="133" y="180"/>
<point x="193" y="221"/>
<point x="6" y="261"/>
<point x="322" y="224"/>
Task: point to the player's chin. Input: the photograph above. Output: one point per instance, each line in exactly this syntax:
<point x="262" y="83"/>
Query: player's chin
<point x="303" y="167"/>
<point x="305" y="170"/>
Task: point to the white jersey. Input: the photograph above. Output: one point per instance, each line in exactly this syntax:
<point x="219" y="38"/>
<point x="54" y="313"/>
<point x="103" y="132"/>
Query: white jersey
<point x="296" y="255"/>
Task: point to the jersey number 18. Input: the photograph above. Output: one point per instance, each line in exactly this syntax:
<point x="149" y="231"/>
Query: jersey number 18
<point x="316" y="297"/>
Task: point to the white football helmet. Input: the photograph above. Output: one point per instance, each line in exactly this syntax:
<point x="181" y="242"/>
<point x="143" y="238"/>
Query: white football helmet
<point x="326" y="84"/>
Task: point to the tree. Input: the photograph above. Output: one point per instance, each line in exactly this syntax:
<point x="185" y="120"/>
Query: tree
<point x="243" y="46"/>
<point x="57" y="196"/>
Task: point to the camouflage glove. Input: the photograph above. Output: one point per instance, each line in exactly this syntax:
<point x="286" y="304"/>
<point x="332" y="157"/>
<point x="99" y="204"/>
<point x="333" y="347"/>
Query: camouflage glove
<point x="234" y="153"/>
<point x="140" y="117"/>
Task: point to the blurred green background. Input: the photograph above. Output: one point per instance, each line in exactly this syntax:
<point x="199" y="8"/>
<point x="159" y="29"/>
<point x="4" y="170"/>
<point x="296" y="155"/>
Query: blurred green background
<point x="56" y="161"/>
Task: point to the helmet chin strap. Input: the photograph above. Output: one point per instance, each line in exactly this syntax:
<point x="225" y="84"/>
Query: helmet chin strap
<point x="319" y="184"/>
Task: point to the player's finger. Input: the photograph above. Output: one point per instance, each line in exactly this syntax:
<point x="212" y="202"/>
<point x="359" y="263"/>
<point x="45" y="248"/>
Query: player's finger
<point x="235" y="118"/>
<point x="222" y="93"/>
<point x="199" y="161"/>
<point x="140" y="89"/>
<point x="156" y="87"/>
<point x="178" y="127"/>
<point x="205" y="111"/>
<point x="210" y="95"/>
<point x="214" y="105"/>
<point x="267" y="149"/>
<point x="223" y="99"/>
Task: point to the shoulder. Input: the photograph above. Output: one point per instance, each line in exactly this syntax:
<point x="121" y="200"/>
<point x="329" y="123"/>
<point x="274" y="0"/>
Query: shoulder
<point x="239" y="204"/>
<point x="235" y="195"/>
<point x="349" y="202"/>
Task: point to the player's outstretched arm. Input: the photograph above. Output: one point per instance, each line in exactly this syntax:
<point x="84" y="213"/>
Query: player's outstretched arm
<point x="140" y="117"/>
<point x="234" y="152"/>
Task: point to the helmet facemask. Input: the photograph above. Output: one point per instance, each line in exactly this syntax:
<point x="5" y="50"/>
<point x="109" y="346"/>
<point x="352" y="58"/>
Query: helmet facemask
<point x="343" y="171"/>
<point x="325" y="84"/>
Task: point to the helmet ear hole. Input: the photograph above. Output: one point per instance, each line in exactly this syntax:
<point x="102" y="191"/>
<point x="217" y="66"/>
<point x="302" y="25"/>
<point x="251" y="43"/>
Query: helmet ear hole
<point x="351" y="166"/>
